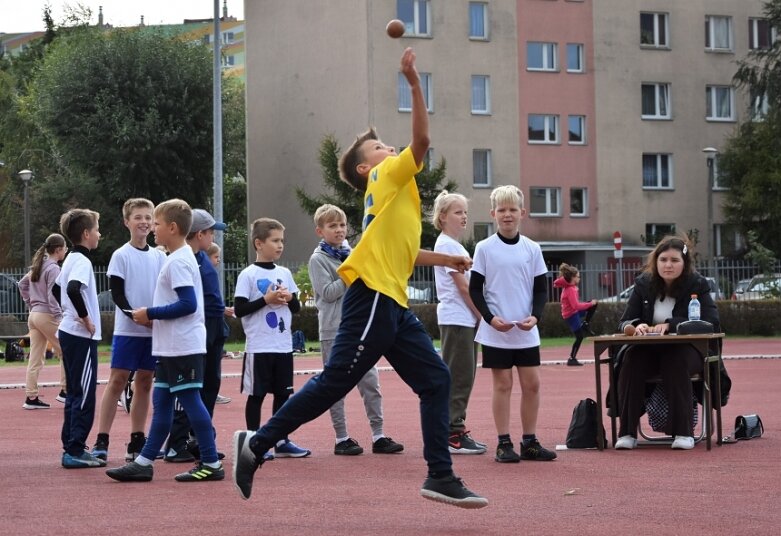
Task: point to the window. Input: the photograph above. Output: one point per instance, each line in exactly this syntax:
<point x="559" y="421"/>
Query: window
<point x="228" y="61"/>
<point x="577" y="129"/>
<point x="655" y="101"/>
<point x="718" y="33"/>
<point x="207" y="39"/>
<point x="481" y="167"/>
<point x="714" y="177"/>
<point x="575" y="58"/>
<point x="541" y="56"/>
<point x="656" y="231"/>
<point x="720" y="103"/>
<point x="481" y="94"/>
<point x="760" y="34"/>
<point x="578" y="202"/>
<point x="653" y="30"/>
<point x="727" y="240"/>
<point x="545" y="202"/>
<point x="657" y="171"/>
<point x="481" y="231"/>
<point x="759" y="106"/>
<point x="227" y="37"/>
<point x="416" y="15"/>
<point x="543" y="128"/>
<point x="478" y="20"/>
<point x="405" y="96"/>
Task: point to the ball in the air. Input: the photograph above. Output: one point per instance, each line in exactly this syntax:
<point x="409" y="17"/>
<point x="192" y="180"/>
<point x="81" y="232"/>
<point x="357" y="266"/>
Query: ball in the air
<point x="395" y="28"/>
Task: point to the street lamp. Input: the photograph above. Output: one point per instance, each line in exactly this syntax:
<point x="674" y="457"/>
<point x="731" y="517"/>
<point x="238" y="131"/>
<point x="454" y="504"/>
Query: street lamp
<point x="26" y="175"/>
<point x="710" y="155"/>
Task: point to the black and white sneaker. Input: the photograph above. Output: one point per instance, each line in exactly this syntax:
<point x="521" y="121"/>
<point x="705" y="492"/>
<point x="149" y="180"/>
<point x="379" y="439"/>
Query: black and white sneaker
<point x="462" y="443"/>
<point x="35" y="403"/>
<point x="535" y="451"/>
<point x="451" y="490"/>
<point x="60" y="397"/>
<point x="132" y="472"/>
<point x="201" y="473"/>
<point x="245" y="463"/>
<point x="126" y="396"/>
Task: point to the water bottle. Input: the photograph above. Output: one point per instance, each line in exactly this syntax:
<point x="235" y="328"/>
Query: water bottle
<point x="694" y="308"/>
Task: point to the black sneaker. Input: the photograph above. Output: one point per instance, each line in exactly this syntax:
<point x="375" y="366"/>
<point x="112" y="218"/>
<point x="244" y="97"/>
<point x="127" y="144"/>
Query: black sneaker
<point x="462" y="443"/>
<point x="100" y="449"/>
<point x="245" y="463"/>
<point x="194" y="449"/>
<point x="181" y="455"/>
<point x="572" y="362"/>
<point x="348" y="447"/>
<point x="61" y="397"/>
<point x="386" y="445"/>
<point x="506" y="454"/>
<point x="132" y="472"/>
<point x="35" y="403"/>
<point x="535" y="451"/>
<point x="201" y="473"/>
<point x="135" y="447"/>
<point x="451" y="490"/>
<point x="126" y="396"/>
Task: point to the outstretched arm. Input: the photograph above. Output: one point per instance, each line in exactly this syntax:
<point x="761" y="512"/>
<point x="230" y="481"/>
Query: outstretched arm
<point x="435" y="258"/>
<point x="420" y="138"/>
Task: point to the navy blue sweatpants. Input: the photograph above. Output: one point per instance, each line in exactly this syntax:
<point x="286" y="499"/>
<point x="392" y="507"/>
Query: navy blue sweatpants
<point x="373" y="325"/>
<point x="80" y="359"/>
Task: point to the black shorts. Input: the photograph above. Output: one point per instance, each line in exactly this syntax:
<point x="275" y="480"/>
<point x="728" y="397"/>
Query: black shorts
<point x="507" y="358"/>
<point x="180" y="372"/>
<point x="267" y="373"/>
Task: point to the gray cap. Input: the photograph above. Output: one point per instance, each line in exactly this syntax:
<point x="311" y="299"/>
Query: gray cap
<point x="202" y="221"/>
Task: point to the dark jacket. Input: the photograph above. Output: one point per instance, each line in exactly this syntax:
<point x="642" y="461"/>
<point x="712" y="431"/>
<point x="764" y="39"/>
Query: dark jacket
<point x="640" y="310"/>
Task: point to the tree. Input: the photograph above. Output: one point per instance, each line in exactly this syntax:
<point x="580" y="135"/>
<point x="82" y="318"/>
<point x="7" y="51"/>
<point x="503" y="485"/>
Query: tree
<point x="235" y="171"/>
<point x="131" y="109"/>
<point x="431" y="181"/>
<point x="750" y="164"/>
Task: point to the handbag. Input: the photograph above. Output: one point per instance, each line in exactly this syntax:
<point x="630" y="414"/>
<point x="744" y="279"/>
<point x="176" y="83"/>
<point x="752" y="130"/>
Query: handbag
<point x="746" y="427"/>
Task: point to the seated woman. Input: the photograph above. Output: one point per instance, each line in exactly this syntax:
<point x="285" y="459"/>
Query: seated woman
<point x="658" y="304"/>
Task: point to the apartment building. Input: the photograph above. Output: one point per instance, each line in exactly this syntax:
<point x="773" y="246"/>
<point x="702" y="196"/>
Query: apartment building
<point x="598" y="109"/>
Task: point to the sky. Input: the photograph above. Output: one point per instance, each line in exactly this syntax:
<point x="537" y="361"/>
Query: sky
<point x="18" y="16"/>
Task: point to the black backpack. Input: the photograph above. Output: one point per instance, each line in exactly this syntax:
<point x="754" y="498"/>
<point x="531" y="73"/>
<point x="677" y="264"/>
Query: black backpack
<point x="582" y="433"/>
<point x="13" y="351"/>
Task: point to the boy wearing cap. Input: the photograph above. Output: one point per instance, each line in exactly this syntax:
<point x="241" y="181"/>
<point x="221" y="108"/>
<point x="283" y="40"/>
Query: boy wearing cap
<point x="132" y="272"/>
<point x="199" y="238"/>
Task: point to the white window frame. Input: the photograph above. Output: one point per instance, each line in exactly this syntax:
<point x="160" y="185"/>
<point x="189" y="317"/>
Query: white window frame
<point x="485" y="87"/>
<point x="484" y="36"/>
<point x="659" y="178"/>
<point x="552" y="197"/>
<point x="710" y="34"/>
<point x="712" y="100"/>
<point x="413" y="28"/>
<point x="714" y="175"/>
<point x="719" y="230"/>
<point x="759" y="107"/>
<point x="753" y="33"/>
<point x="549" y="59"/>
<point x="485" y="155"/>
<point x="582" y="120"/>
<point x="584" y="192"/>
<point x="579" y="47"/>
<point x="405" y="95"/>
<point x="656" y="231"/>
<point x="548" y="121"/>
<point x="487" y="225"/>
<point x="661" y="92"/>
<point x="661" y="20"/>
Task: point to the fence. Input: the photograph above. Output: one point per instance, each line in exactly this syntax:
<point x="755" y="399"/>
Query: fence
<point x="601" y="282"/>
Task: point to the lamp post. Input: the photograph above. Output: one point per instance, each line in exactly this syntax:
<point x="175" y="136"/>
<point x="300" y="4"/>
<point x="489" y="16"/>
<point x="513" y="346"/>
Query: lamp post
<point x="26" y="175"/>
<point x="710" y="155"/>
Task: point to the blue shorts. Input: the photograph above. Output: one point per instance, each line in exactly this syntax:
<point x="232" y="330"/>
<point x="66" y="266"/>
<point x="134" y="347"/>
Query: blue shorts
<point x="575" y="321"/>
<point x="180" y="372"/>
<point x="132" y="353"/>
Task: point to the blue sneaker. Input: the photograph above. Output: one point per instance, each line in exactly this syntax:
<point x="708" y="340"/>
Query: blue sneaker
<point x="85" y="459"/>
<point x="290" y="450"/>
<point x="268" y="456"/>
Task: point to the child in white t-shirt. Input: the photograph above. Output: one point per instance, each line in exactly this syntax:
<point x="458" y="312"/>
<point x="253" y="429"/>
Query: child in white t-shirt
<point x="457" y="318"/>
<point x="508" y="287"/>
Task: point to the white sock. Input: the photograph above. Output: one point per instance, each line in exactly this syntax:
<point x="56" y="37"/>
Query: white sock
<point x="146" y="462"/>
<point x="213" y="465"/>
<point x="377" y="437"/>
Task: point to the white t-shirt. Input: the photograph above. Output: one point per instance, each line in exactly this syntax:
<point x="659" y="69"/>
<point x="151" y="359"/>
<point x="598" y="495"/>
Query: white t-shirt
<point x="185" y="335"/>
<point x="266" y="330"/>
<point x="139" y="269"/>
<point x="77" y="267"/>
<point x="452" y="310"/>
<point x="509" y="271"/>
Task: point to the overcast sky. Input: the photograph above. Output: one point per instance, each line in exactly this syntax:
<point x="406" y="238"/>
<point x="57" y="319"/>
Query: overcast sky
<point x="17" y="16"/>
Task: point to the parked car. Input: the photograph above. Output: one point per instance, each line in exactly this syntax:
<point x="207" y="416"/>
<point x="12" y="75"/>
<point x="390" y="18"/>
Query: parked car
<point x="715" y="292"/>
<point x="740" y="288"/>
<point x="761" y="287"/>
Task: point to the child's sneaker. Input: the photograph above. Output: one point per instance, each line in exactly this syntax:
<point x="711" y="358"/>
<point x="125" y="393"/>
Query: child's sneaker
<point x="60" y="397"/>
<point x="179" y="456"/>
<point x="222" y="399"/>
<point x="348" y="447"/>
<point x="572" y="362"/>
<point x="462" y="443"/>
<point x="135" y="447"/>
<point x="132" y="472"/>
<point x="245" y="463"/>
<point x="82" y="461"/>
<point x="290" y="450"/>
<point x="451" y="490"/>
<point x="201" y="473"/>
<point x="385" y="445"/>
<point x="35" y="403"/>
<point x="100" y="449"/>
<point x="505" y="453"/>
<point x="126" y="397"/>
<point x="535" y="451"/>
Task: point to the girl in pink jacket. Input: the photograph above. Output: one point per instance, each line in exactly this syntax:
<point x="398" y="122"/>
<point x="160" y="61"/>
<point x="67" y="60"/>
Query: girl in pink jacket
<point x="576" y="313"/>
